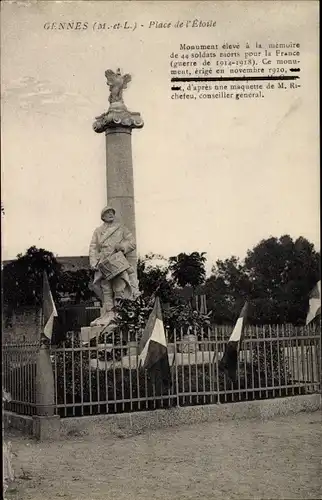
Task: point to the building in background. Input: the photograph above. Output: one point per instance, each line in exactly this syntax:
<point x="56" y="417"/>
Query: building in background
<point x="70" y="263"/>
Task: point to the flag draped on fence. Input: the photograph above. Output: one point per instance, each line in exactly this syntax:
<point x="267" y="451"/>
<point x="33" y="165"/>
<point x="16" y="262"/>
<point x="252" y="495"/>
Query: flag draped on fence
<point x="314" y="303"/>
<point x="153" y="350"/>
<point x="229" y="362"/>
<point x="48" y="307"/>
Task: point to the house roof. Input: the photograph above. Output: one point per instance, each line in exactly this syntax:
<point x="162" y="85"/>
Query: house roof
<point x="72" y="263"/>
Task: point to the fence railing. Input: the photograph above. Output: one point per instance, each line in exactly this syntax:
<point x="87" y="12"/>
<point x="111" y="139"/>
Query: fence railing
<point x="19" y="362"/>
<point x="104" y="376"/>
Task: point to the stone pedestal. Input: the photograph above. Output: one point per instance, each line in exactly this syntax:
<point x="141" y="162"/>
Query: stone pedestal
<point x="91" y="332"/>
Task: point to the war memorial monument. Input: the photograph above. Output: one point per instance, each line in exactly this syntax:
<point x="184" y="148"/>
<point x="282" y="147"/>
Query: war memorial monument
<point x="112" y="250"/>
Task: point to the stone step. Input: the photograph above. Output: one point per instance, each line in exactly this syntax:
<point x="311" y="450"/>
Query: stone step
<point x="90" y="332"/>
<point x="132" y="361"/>
<point x="104" y="347"/>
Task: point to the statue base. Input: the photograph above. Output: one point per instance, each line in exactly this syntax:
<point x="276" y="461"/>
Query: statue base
<point x="104" y="320"/>
<point x="91" y="332"/>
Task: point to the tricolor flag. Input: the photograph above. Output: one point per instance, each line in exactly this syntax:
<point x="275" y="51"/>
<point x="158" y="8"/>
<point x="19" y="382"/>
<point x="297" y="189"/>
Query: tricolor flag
<point x="153" y="350"/>
<point x="229" y="361"/>
<point x="48" y="307"/>
<point x="314" y="303"/>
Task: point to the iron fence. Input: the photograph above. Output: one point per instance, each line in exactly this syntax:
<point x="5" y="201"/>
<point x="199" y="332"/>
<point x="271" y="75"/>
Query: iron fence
<point x="104" y="376"/>
<point x="19" y="377"/>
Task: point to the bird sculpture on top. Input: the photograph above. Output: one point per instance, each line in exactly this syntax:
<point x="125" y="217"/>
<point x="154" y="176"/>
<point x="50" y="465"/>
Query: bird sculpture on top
<point x="116" y="83"/>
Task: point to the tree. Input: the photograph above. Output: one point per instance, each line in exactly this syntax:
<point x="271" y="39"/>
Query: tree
<point x="23" y="277"/>
<point x="276" y="278"/>
<point x="153" y="275"/>
<point x="227" y="289"/>
<point x="282" y="273"/>
<point x="188" y="269"/>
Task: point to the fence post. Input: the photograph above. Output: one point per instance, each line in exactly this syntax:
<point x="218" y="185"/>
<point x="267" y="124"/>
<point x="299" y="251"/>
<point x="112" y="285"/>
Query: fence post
<point x="45" y="389"/>
<point x="46" y="423"/>
<point x="176" y="368"/>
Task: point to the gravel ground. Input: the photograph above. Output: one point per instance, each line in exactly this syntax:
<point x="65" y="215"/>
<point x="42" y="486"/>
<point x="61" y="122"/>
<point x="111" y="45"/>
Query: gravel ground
<point x="245" y="459"/>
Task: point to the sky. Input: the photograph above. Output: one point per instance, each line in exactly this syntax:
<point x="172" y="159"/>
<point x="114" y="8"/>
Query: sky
<point x="214" y="176"/>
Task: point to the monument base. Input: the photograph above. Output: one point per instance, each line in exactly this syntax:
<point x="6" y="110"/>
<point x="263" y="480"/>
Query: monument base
<point x="104" y="320"/>
<point x="90" y="332"/>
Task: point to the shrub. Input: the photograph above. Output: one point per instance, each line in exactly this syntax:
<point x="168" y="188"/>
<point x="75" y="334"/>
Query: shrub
<point x="132" y="316"/>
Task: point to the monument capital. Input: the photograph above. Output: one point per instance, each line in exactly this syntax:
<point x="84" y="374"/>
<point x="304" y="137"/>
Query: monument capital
<point x="117" y="115"/>
<point x="117" y="118"/>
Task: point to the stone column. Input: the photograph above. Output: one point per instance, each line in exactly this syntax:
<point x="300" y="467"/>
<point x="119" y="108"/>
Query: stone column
<point x="119" y="178"/>
<point x="117" y="124"/>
